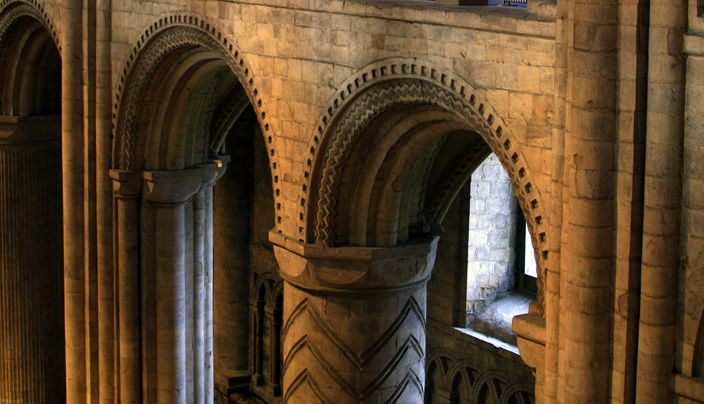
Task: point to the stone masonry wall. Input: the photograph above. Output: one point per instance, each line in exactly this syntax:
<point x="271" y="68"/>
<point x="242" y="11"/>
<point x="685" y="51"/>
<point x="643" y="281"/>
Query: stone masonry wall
<point x="454" y="355"/>
<point x="302" y="54"/>
<point x="492" y="234"/>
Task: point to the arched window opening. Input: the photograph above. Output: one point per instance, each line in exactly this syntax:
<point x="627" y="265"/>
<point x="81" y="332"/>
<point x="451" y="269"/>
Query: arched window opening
<point x="501" y="268"/>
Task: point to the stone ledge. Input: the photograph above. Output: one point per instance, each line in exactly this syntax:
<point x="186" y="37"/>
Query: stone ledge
<point x="693" y="45"/>
<point x="530" y="330"/>
<point x="688" y="387"/>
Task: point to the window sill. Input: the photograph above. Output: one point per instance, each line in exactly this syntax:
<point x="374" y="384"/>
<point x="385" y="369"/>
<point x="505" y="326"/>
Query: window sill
<point x="489" y="340"/>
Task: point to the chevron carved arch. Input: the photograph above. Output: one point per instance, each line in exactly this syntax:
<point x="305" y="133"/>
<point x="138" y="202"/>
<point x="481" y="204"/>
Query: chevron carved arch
<point x="158" y="40"/>
<point x="377" y="89"/>
<point x="13" y="10"/>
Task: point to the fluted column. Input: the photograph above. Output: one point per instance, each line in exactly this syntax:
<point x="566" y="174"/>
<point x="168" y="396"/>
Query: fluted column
<point x="127" y="186"/>
<point x="31" y="262"/>
<point x="354" y="322"/>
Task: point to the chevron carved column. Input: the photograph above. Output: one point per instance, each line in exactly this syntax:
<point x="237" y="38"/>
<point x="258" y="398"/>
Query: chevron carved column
<point x="354" y="322"/>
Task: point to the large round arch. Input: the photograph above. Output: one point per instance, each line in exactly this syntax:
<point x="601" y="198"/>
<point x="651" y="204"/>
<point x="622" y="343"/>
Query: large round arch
<point x="186" y="104"/>
<point x="29" y="61"/>
<point x="392" y="150"/>
<point x="193" y="53"/>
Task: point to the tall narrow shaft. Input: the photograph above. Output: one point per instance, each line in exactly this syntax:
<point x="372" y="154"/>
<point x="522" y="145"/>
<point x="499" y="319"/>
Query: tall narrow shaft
<point x="127" y="187"/>
<point x="170" y="304"/>
<point x="588" y="231"/>
<point x="662" y="202"/>
<point x="72" y="168"/>
<point x="199" y="296"/>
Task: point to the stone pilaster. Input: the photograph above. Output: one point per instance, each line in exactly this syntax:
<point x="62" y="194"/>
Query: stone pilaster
<point x="588" y="222"/>
<point x="354" y="322"/>
<point x="31" y="262"/>
<point x="127" y="186"/>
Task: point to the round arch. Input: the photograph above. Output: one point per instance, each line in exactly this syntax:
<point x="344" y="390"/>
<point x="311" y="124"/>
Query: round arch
<point x="416" y="104"/>
<point x="174" y="54"/>
<point x="13" y="10"/>
<point x="29" y="61"/>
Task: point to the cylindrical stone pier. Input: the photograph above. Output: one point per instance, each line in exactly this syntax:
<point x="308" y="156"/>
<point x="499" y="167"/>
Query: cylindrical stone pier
<point x="354" y="322"/>
<point x="175" y="276"/>
<point x="127" y="186"/>
<point x="168" y="192"/>
<point x="31" y="262"/>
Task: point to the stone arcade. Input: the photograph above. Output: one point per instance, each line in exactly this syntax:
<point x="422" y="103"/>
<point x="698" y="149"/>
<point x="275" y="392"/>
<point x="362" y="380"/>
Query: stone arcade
<point x="269" y="201"/>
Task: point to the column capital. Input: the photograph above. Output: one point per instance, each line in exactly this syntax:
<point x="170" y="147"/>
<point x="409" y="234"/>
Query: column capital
<point x="354" y="269"/>
<point x="175" y="187"/>
<point x="126" y="184"/>
<point x="220" y="165"/>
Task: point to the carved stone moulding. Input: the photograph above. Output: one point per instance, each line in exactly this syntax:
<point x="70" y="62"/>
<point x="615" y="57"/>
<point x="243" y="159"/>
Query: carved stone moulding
<point x="167" y="186"/>
<point x="357" y="270"/>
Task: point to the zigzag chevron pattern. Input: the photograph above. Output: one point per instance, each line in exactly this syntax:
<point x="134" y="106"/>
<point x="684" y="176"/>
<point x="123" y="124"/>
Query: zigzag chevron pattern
<point x="411" y="307"/>
<point x="383" y="359"/>
<point x="370" y="104"/>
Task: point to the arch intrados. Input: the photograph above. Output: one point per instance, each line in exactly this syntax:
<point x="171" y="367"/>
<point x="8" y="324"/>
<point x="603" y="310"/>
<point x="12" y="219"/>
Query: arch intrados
<point x="205" y="97"/>
<point x="165" y="139"/>
<point x="26" y="94"/>
<point x="433" y="85"/>
<point x="31" y="80"/>
<point x="375" y="157"/>
<point x="163" y="93"/>
<point x="180" y="106"/>
<point x="401" y="156"/>
<point x="21" y="52"/>
<point x="159" y="39"/>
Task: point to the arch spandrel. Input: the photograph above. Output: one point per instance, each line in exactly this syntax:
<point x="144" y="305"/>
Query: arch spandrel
<point x="384" y="85"/>
<point x="159" y="46"/>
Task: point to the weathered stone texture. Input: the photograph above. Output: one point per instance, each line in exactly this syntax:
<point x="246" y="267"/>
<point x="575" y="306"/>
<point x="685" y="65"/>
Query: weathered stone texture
<point x="351" y="129"/>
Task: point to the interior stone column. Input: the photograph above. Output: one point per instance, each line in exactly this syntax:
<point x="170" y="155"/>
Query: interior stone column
<point x="127" y="186"/>
<point x="31" y="261"/>
<point x="354" y="322"/>
<point x="167" y="192"/>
